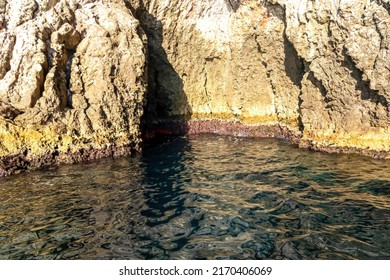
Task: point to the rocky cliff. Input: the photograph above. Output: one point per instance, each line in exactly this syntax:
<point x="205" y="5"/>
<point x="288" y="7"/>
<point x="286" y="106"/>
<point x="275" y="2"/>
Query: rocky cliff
<point x="313" y="71"/>
<point x="72" y="81"/>
<point x="344" y="101"/>
<point x="77" y="78"/>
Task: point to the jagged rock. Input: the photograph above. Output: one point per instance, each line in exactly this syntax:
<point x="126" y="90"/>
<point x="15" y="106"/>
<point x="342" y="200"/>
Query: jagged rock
<point x="318" y="68"/>
<point x="73" y="74"/>
<point x="345" y="89"/>
<point x="211" y="61"/>
<point x="72" y="81"/>
<point x="7" y="111"/>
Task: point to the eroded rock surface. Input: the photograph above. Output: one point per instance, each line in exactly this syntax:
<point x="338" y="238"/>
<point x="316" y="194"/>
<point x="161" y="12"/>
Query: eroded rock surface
<point x="74" y="74"/>
<point x="346" y="86"/>
<point x="72" y="81"/>
<point x="226" y="60"/>
<point x="318" y="68"/>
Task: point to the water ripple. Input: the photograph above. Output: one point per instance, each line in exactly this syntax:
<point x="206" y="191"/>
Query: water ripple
<point x="203" y="197"/>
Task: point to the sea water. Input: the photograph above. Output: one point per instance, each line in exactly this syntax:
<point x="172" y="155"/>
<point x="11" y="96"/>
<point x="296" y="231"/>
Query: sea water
<point x="201" y="197"/>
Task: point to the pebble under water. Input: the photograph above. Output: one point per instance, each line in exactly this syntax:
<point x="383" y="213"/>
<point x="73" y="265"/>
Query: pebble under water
<point x="201" y="197"/>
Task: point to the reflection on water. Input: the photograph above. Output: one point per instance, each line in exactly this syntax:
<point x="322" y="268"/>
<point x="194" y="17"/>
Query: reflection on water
<point x="203" y="197"/>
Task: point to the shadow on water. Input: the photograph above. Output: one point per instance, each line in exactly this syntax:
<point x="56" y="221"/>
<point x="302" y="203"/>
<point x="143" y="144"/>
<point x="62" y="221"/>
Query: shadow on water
<point x="168" y="219"/>
<point x="165" y="184"/>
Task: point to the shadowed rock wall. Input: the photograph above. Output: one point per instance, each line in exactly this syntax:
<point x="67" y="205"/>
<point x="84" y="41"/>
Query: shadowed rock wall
<point x="209" y="61"/>
<point x="317" y="68"/>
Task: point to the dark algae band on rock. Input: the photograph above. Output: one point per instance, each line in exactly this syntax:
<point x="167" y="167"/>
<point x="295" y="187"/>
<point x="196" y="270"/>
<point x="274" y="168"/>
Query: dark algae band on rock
<point x="219" y="127"/>
<point x="77" y="77"/>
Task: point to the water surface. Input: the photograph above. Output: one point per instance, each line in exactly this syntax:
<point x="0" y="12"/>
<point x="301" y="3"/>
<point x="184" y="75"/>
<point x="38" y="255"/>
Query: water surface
<point x="202" y="197"/>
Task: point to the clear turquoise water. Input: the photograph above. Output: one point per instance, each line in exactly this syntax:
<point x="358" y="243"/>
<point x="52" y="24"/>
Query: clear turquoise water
<point x="202" y="197"/>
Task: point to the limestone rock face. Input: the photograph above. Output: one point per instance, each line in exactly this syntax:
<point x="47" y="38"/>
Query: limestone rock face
<point x="319" y="68"/>
<point x="72" y="81"/>
<point x="218" y="59"/>
<point x="75" y="75"/>
<point x="346" y="86"/>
